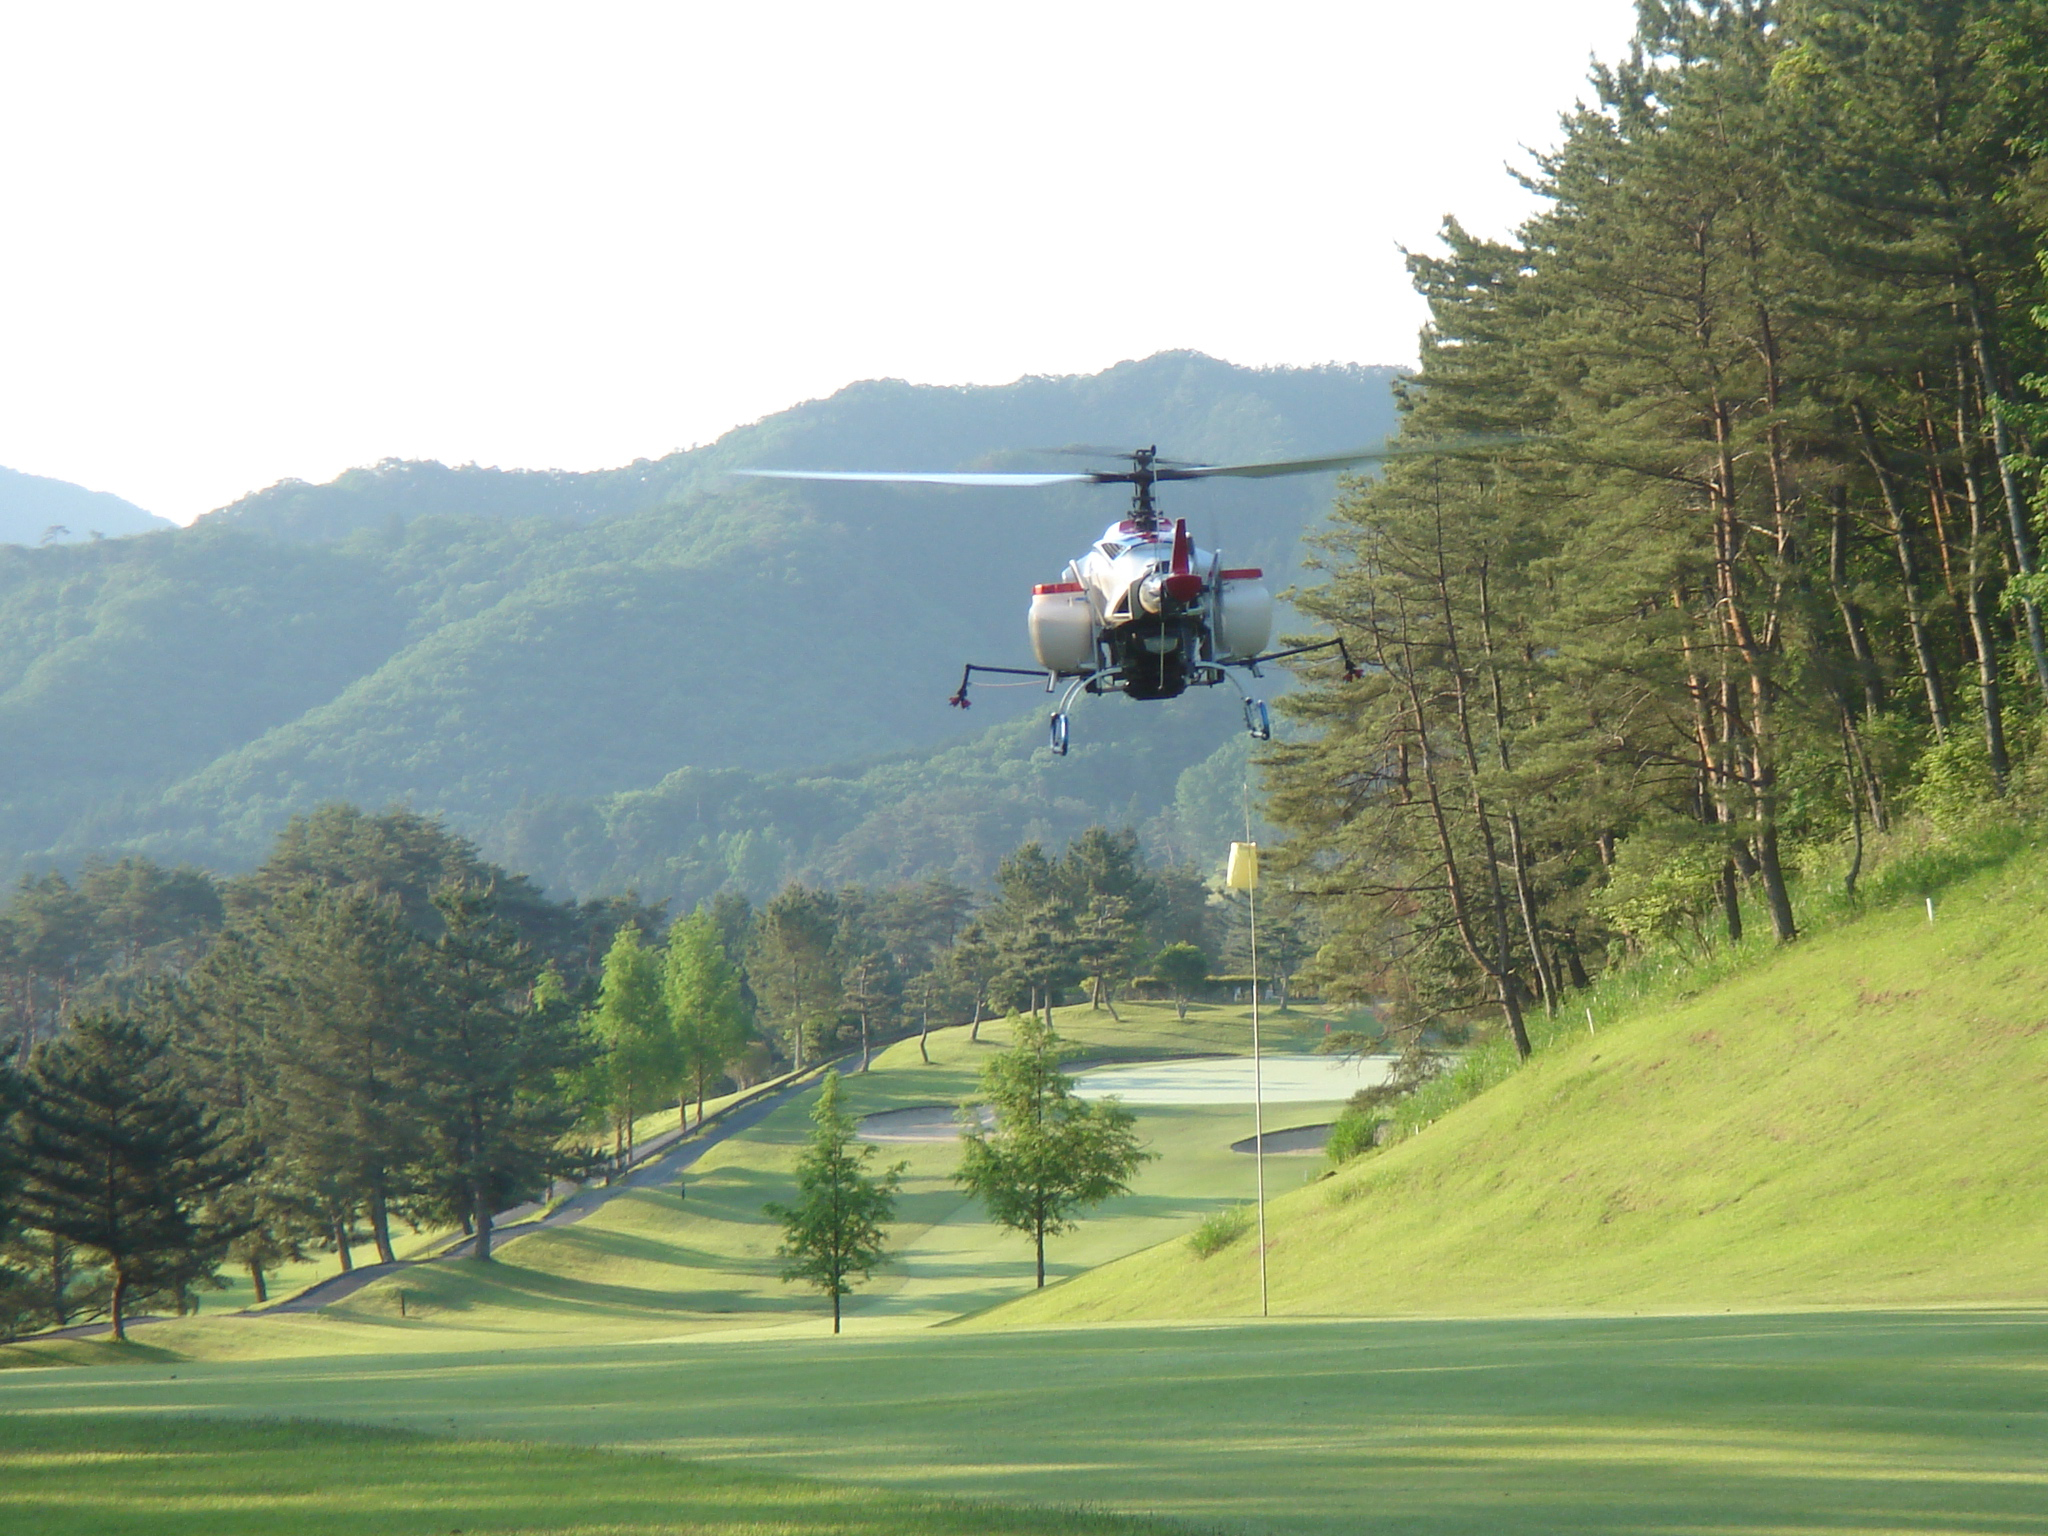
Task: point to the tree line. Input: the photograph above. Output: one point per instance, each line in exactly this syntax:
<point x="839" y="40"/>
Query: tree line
<point x="834" y="969"/>
<point x="376" y="1028"/>
<point x="1721" y="549"/>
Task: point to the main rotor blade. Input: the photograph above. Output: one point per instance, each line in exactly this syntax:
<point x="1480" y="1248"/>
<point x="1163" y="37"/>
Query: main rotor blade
<point x="943" y="477"/>
<point x="1335" y="460"/>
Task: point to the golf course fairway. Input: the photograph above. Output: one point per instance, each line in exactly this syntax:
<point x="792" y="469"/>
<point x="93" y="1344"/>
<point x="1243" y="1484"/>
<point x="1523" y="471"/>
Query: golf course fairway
<point x="1837" y="1423"/>
<point x="1763" y="1255"/>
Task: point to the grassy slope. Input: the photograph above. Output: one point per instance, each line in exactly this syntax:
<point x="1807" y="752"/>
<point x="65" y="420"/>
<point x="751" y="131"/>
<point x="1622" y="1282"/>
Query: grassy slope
<point x="652" y="1262"/>
<point x="1859" y="1423"/>
<point x="1855" y="1121"/>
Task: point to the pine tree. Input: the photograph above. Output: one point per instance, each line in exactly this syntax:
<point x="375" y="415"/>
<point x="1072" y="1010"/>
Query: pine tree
<point x="216" y="1016"/>
<point x="495" y="1050"/>
<point x="837" y="1229"/>
<point x="50" y="942"/>
<point x="120" y="1159"/>
<point x="794" y="966"/>
<point x="343" y="980"/>
<point x="1740" y="554"/>
<point x="17" y="1283"/>
<point x="1032" y="924"/>
<point x="1183" y="967"/>
<point x="971" y="968"/>
<point x="1112" y="897"/>
<point x="869" y="992"/>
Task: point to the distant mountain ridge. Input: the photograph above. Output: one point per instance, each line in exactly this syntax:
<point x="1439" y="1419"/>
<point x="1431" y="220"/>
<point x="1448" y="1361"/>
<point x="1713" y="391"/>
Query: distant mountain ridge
<point x="558" y="662"/>
<point x="35" y="509"/>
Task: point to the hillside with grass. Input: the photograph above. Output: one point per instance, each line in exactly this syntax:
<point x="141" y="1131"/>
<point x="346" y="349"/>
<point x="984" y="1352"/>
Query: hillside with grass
<point x="1852" y="1120"/>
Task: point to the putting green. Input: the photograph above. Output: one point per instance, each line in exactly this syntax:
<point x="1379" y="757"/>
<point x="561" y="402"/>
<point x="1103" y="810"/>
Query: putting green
<point x="1835" y="1423"/>
<point x="1280" y="1079"/>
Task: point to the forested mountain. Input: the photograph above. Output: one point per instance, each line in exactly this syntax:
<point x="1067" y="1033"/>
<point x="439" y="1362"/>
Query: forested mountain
<point x="35" y="509"/>
<point x="1763" y="568"/>
<point x="619" y="675"/>
<point x="1174" y="772"/>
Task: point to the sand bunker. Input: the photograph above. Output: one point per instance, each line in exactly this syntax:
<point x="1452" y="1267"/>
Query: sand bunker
<point x="1295" y="1140"/>
<point x="927" y="1122"/>
<point x="1228" y="1080"/>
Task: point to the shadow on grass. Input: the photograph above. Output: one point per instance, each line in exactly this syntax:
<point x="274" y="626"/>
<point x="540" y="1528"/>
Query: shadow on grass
<point x="464" y="1286"/>
<point x="630" y="1247"/>
<point x="127" y="1475"/>
<point x="29" y="1353"/>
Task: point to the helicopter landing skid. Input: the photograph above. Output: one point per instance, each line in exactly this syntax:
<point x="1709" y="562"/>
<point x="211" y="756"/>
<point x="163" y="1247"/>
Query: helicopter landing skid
<point x="1087" y="682"/>
<point x="1258" y="722"/>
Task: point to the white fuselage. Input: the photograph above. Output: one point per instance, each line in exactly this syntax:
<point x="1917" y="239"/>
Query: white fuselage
<point x="1123" y="572"/>
<point x="1123" y="606"/>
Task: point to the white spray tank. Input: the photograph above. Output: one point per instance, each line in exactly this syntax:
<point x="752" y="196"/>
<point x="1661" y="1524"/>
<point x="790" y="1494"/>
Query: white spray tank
<point x="1244" y="614"/>
<point x="1063" y="627"/>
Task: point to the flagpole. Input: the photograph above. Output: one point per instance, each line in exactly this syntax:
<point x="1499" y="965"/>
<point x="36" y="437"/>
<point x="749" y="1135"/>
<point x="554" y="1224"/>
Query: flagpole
<point x="1243" y="875"/>
<point x="1258" y="1103"/>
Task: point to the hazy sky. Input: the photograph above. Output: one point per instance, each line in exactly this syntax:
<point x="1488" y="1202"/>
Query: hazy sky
<point x="246" y="242"/>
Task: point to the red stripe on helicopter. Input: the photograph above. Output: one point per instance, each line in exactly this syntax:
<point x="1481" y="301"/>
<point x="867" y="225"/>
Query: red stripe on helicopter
<point x="1252" y="574"/>
<point x="1056" y="586"/>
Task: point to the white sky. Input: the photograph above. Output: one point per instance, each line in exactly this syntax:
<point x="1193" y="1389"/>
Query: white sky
<point x="246" y="242"/>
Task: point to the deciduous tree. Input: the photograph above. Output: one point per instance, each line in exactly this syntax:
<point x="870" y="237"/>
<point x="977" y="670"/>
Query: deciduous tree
<point x="702" y="989"/>
<point x="1051" y="1155"/>
<point x="641" y="1062"/>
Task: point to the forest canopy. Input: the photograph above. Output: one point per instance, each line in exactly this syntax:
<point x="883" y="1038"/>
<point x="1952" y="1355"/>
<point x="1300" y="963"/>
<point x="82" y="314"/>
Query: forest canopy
<point x="1761" y="567"/>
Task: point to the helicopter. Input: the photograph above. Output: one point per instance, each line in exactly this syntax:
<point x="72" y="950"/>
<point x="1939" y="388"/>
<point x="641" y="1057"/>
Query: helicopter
<point x="1142" y="612"/>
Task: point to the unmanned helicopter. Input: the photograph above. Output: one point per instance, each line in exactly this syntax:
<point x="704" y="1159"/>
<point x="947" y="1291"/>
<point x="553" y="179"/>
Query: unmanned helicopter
<point x="1144" y="612"/>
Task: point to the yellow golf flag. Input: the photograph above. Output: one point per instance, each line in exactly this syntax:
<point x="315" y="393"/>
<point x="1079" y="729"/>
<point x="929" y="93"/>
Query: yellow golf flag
<point x="1243" y="873"/>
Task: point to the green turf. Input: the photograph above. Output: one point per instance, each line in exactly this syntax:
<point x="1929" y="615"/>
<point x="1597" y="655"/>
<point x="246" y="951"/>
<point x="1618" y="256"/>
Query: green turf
<point x="108" y="1475"/>
<point x="658" y="1325"/>
<point x="1870" y="1422"/>
<point x="1857" y="1120"/>
<point x="653" y="1262"/>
